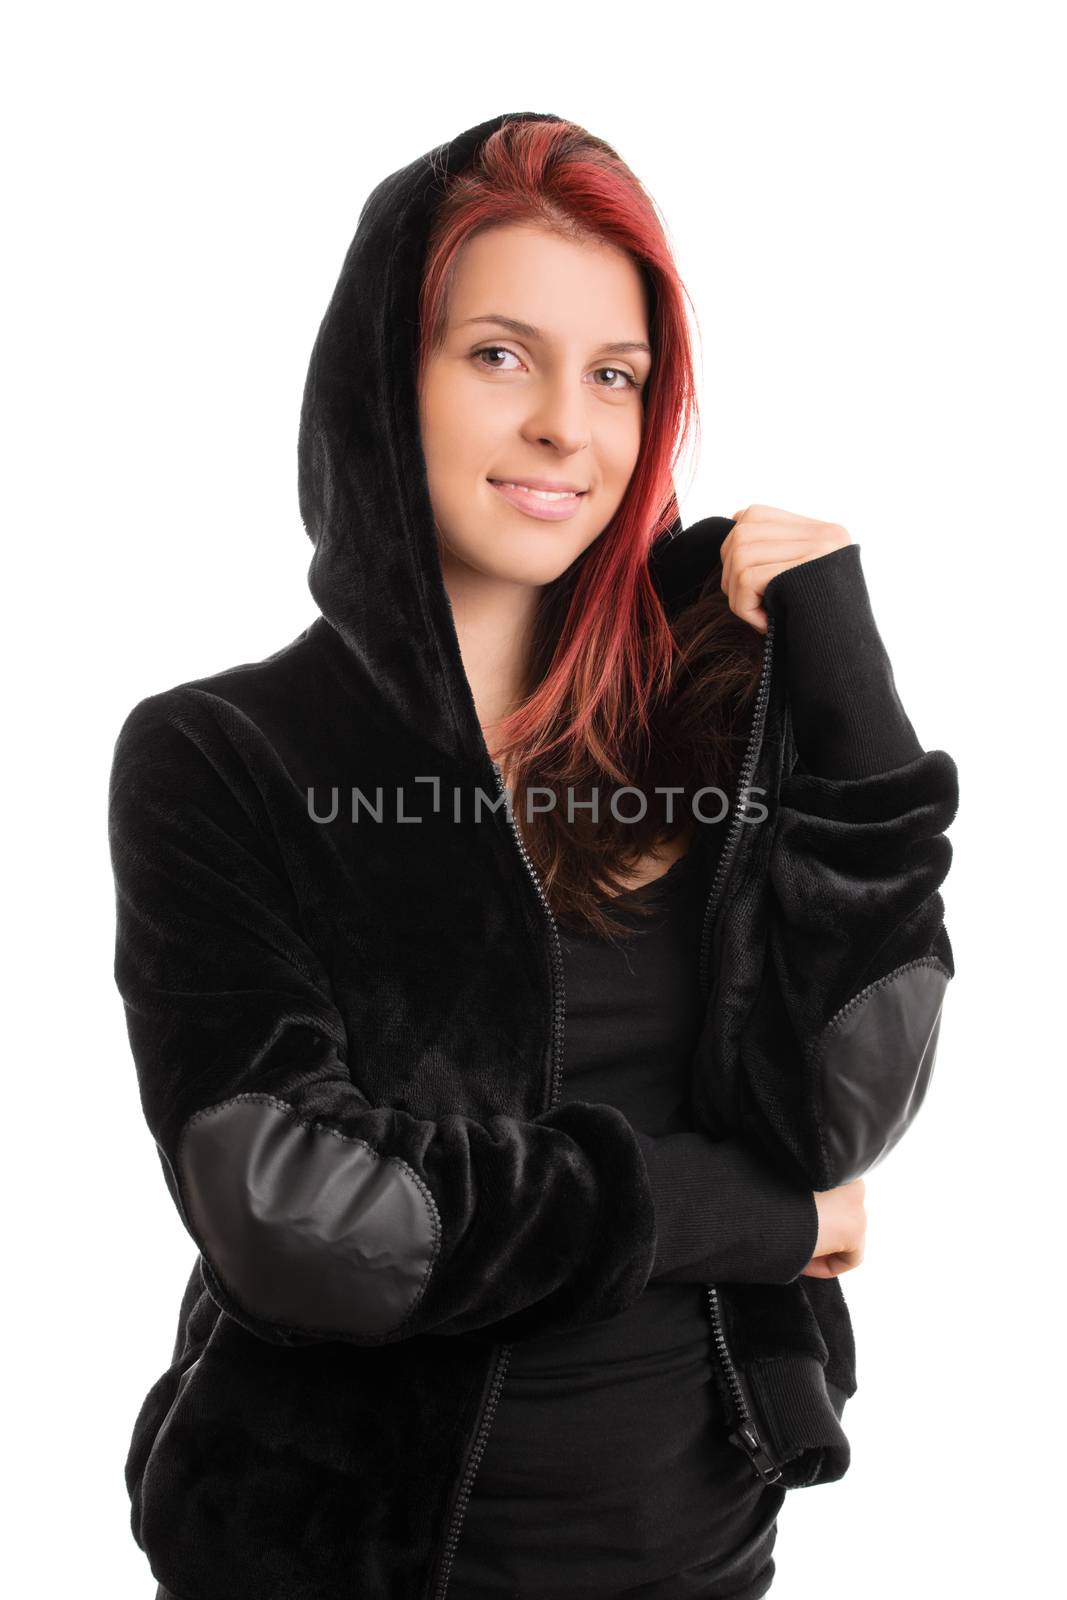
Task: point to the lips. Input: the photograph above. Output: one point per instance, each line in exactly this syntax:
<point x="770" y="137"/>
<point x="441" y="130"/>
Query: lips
<point x="542" y="486"/>
<point x="547" y="505"/>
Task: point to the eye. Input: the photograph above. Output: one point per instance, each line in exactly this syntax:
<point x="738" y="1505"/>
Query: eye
<point x="629" y="381"/>
<point x="494" y="350"/>
<point x="618" y="372"/>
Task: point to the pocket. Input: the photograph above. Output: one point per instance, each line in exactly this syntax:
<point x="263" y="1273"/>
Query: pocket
<point x="305" y="1470"/>
<point x="231" y="1481"/>
<point x="154" y="1414"/>
<point x="184" y="1376"/>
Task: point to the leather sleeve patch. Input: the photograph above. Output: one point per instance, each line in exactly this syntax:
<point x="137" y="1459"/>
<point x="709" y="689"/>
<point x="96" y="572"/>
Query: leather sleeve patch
<point x="873" y="1064"/>
<point x="306" y="1227"/>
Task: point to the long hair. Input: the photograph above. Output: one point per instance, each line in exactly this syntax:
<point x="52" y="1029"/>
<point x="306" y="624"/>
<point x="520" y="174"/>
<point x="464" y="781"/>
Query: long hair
<point x="614" y="697"/>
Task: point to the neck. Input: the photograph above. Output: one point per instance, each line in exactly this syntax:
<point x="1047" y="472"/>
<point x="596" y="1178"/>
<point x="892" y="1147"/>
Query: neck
<point x="494" y="625"/>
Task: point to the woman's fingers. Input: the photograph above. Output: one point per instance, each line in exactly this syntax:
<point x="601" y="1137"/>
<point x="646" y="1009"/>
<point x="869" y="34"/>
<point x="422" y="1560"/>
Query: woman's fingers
<point x="763" y="542"/>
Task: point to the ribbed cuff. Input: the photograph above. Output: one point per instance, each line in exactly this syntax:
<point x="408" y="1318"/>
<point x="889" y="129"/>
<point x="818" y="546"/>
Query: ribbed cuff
<point x="848" y="721"/>
<point x="723" y="1215"/>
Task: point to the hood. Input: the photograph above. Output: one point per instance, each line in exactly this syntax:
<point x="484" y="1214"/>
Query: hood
<point x="363" y="490"/>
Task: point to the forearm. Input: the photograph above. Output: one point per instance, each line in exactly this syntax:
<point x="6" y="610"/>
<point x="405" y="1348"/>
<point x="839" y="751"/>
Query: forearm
<point x="725" y="1215"/>
<point x="848" y="721"/>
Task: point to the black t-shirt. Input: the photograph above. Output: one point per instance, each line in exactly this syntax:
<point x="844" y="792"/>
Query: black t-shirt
<point x="607" y="1469"/>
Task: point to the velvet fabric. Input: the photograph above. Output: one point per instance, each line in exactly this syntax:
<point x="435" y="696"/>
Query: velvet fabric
<point x="342" y="1017"/>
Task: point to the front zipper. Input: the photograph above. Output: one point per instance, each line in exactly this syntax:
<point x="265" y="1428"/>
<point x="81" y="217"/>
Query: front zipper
<point x="755" y="739"/>
<point x="559" y="996"/>
<point x="484" y="1423"/>
<point x="503" y="1356"/>
<point x="745" y="1435"/>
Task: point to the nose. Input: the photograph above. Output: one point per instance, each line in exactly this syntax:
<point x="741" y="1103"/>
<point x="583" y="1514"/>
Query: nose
<point x="559" y="416"/>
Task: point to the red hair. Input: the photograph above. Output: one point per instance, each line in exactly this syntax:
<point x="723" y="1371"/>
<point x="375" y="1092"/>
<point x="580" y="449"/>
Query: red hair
<point x="604" y="653"/>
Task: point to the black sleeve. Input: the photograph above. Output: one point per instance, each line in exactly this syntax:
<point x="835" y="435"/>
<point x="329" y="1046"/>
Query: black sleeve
<point x="846" y="940"/>
<point x="318" y="1213"/>
<point x="848" y="721"/>
<point x="836" y="1051"/>
<point x="723" y="1215"/>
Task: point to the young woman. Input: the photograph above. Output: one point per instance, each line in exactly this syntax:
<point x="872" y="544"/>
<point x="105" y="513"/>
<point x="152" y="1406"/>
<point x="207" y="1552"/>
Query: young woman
<point x="513" y="1081"/>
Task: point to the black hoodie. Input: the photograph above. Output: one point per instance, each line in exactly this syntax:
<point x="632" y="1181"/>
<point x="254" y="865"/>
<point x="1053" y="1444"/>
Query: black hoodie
<point x="347" y="1033"/>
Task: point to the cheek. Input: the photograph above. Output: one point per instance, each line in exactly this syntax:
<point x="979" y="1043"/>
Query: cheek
<point x="460" y="433"/>
<point x="435" y="418"/>
<point x="619" y="447"/>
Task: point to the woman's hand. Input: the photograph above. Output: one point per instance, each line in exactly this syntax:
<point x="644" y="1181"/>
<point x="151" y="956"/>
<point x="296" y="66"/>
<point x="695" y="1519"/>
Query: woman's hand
<point x="763" y="542"/>
<point x="842" y="1230"/>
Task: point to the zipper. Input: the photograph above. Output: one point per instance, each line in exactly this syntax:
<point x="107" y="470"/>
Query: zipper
<point x="745" y="1434"/>
<point x="485" y="1422"/>
<point x="729" y="848"/>
<point x="503" y="1355"/>
<point x="559" y="1011"/>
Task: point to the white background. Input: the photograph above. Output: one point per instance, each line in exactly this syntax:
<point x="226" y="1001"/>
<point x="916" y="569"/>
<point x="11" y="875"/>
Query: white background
<point x="864" y="202"/>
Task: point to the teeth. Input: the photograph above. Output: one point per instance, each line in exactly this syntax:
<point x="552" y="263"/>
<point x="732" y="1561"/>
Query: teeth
<point x="543" y="494"/>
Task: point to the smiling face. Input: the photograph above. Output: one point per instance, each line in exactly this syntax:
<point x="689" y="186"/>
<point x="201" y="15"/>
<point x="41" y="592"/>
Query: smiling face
<point x="537" y="381"/>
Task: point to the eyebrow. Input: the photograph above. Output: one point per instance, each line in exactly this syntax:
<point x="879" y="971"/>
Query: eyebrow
<point x="523" y="330"/>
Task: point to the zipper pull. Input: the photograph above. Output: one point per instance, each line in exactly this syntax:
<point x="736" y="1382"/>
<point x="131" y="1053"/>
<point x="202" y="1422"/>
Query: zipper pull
<point x="747" y="1439"/>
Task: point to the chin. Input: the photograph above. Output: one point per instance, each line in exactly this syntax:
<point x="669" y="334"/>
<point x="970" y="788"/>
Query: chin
<point x="534" y="570"/>
<point x="511" y="556"/>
